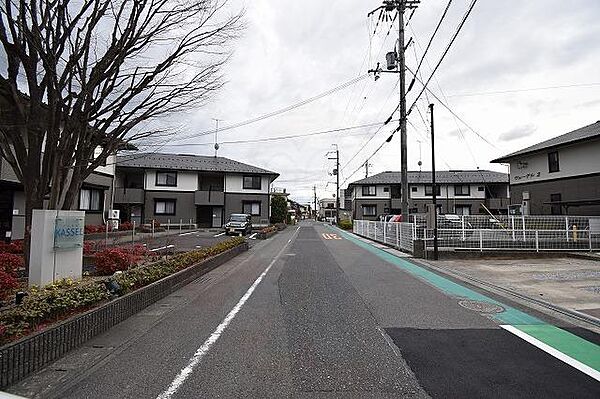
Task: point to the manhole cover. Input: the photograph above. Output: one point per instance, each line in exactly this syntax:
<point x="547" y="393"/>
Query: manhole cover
<point x="481" y="307"/>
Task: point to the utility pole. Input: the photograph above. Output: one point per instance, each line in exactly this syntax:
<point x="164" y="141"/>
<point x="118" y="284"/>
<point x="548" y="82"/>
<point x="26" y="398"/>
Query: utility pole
<point x="434" y="191"/>
<point x="315" y="200"/>
<point x="400" y="6"/>
<point x="336" y="172"/>
<point x="403" y="141"/>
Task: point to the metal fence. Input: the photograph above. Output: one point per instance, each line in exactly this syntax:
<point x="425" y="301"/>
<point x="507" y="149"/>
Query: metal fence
<point x="514" y="240"/>
<point x="487" y="233"/>
<point x="397" y="235"/>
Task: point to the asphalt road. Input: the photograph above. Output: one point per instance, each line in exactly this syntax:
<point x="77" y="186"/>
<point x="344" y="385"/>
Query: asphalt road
<point x="313" y="312"/>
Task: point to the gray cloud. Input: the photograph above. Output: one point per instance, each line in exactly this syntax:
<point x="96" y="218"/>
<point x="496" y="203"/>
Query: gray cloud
<point x="518" y="132"/>
<point x="295" y="50"/>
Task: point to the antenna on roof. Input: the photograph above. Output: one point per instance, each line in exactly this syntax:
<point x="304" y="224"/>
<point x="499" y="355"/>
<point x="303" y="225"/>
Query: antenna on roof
<point x="419" y="163"/>
<point x="216" y="135"/>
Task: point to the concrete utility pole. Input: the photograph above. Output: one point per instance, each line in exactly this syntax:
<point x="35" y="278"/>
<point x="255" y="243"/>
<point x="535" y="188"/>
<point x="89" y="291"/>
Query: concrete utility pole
<point x="336" y="172"/>
<point x="397" y="60"/>
<point x="400" y="4"/>
<point x="434" y="191"/>
<point x="315" y="200"/>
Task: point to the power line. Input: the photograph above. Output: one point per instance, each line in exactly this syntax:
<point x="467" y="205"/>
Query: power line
<point x="267" y="139"/>
<point x="429" y="44"/>
<point x="458" y="29"/>
<point x="486" y="93"/>
<point x="279" y="111"/>
<point x="454" y="36"/>
<point x="452" y="112"/>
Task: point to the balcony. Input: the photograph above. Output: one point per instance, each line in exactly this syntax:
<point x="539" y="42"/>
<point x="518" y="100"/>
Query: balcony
<point x="396" y="203"/>
<point x="497" y="203"/>
<point x="129" y="195"/>
<point x="209" y="197"/>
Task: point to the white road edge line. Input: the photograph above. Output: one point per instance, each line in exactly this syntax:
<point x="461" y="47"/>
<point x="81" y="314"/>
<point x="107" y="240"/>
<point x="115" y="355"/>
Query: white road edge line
<point x="584" y="368"/>
<point x="252" y="236"/>
<point x="165" y="247"/>
<point x="188" y="233"/>
<point x="219" y="235"/>
<point x="203" y="350"/>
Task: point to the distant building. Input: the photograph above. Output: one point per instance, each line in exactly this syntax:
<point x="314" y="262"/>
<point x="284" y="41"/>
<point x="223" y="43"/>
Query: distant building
<point x="326" y="208"/>
<point x="462" y="192"/>
<point x="203" y="189"/>
<point x="558" y="176"/>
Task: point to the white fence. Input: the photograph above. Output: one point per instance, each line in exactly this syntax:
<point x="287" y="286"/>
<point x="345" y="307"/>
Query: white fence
<point x="486" y="233"/>
<point x="514" y="240"/>
<point x="397" y="235"/>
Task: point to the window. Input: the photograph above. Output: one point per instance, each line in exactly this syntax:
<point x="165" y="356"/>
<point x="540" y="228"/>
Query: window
<point x="251" y="208"/>
<point x="413" y="189"/>
<point x="553" y="162"/>
<point x="556" y="209"/>
<point x="252" y="182"/>
<point x="168" y="179"/>
<point x="164" y="206"/>
<point x="330" y="205"/>
<point x="369" y="191"/>
<point x="90" y="199"/>
<point x="480" y="188"/>
<point x="462" y="189"/>
<point x="429" y="189"/>
<point x="386" y="189"/>
<point x="369" y="210"/>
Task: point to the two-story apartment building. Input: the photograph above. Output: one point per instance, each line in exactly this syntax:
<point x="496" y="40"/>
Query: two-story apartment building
<point x="180" y="187"/>
<point x="558" y="176"/>
<point x="460" y="192"/>
<point x="94" y="198"/>
<point x="326" y="208"/>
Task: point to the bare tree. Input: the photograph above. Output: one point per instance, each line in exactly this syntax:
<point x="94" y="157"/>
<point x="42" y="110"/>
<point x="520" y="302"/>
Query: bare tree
<point x="79" y="75"/>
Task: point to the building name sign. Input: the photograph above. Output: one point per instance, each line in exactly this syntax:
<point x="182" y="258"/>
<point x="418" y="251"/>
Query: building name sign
<point x="68" y="232"/>
<point x="527" y="176"/>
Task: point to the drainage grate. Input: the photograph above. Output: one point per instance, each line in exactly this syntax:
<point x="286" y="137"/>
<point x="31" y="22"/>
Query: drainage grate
<point x="481" y="307"/>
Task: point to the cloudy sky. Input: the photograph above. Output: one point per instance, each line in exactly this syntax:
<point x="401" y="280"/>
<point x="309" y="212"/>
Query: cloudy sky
<point x="294" y="50"/>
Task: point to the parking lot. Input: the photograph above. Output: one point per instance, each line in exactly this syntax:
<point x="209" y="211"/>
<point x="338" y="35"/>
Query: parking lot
<point x="567" y="282"/>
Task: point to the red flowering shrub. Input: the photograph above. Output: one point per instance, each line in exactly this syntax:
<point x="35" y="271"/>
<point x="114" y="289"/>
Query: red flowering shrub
<point x="91" y="247"/>
<point x="15" y="247"/>
<point x="126" y="226"/>
<point x="9" y="265"/>
<point x="111" y="260"/>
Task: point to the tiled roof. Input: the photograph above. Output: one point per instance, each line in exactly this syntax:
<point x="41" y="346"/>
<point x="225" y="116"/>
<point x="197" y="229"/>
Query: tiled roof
<point x="584" y="133"/>
<point x="188" y="162"/>
<point x="441" y="177"/>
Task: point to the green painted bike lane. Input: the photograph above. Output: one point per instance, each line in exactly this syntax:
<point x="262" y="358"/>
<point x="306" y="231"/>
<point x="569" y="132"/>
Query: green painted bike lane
<point x="571" y="345"/>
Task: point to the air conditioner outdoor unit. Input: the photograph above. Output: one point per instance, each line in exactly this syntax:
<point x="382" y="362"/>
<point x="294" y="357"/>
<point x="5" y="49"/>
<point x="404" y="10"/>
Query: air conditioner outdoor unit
<point x="113" y="214"/>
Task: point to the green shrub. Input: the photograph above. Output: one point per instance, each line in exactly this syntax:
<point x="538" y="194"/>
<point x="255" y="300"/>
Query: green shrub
<point x="278" y="209"/>
<point x="345" y="224"/>
<point x="66" y="297"/>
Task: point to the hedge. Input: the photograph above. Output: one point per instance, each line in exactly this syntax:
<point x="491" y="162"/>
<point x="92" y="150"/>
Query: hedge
<point x="64" y="298"/>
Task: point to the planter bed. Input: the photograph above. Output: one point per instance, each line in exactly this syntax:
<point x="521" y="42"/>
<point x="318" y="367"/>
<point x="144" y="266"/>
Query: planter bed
<point x="20" y="358"/>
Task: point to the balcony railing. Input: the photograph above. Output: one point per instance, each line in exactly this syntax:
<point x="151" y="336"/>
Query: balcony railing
<point x="129" y="195"/>
<point x="209" y="197"/>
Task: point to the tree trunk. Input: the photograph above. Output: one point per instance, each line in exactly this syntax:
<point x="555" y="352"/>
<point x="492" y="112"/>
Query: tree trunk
<point x="33" y="200"/>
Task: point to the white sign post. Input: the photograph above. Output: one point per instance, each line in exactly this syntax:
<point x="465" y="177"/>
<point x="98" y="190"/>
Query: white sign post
<point x="56" y="246"/>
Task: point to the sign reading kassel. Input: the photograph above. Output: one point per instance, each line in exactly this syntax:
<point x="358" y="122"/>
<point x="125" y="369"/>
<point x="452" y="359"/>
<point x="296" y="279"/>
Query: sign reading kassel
<point x="68" y="232"/>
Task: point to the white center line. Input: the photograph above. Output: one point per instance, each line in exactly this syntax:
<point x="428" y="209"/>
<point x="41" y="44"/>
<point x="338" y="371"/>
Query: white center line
<point x="188" y="233"/>
<point x="203" y="350"/>
<point x="219" y="235"/>
<point x="165" y="247"/>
